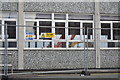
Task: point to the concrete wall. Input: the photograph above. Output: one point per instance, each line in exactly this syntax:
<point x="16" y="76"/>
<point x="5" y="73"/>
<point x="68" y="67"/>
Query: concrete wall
<point x="61" y="59"/>
<point x="12" y="59"/>
<point x="109" y="7"/>
<point x="9" y="6"/>
<point x="63" y="7"/>
<point x="56" y="59"/>
<point x="110" y="58"/>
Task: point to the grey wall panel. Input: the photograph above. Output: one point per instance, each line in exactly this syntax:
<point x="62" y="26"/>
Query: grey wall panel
<point x="109" y="7"/>
<point x="110" y="58"/>
<point x="59" y="59"/>
<point x="0" y="5"/>
<point x="67" y="7"/>
<point x="9" y="6"/>
<point x="12" y="59"/>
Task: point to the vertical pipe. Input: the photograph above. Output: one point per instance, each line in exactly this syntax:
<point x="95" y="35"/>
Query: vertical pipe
<point x="6" y="55"/>
<point x="87" y="51"/>
<point x="84" y="52"/>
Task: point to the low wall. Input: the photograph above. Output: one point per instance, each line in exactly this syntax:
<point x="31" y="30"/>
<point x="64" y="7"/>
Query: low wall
<point x="57" y="59"/>
<point x="62" y="59"/>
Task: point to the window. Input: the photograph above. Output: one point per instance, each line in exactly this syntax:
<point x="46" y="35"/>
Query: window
<point x="11" y="29"/>
<point x="88" y="30"/>
<point x="74" y="30"/>
<point x="110" y="34"/>
<point x="60" y="17"/>
<point x="105" y="31"/>
<point x="67" y="29"/>
<point x="59" y="30"/>
<point x="116" y="31"/>
<point x="45" y="27"/>
<point x="11" y="33"/>
<point x="31" y="28"/>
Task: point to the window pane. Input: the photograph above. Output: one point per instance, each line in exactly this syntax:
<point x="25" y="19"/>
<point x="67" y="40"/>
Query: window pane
<point x="59" y="30"/>
<point x="12" y="44"/>
<point x="88" y="26"/>
<point x="76" y="45"/>
<point x="31" y="28"/>
<point x="105" y="32"/>
<point x="38" y="44"/>
<point x="60" y="44"/>
<point x="110" y="18"/>
<point x="45" y="27"/>
<point x="11" y="29"/>
<point x="60" y="16"/>
<point x="0" y="29"/>
<point x="43" y="16"/>
<point x="110" y="44"/>
<point x="37" y="16"/>
<point x="44" y="44"/>
<point x="80" y="17"/>
<point x="74" y="30"/>
<point x="116" y="31"/>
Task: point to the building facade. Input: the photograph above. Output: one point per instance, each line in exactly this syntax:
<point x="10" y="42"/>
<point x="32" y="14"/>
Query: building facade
<point x="78" y="29"/>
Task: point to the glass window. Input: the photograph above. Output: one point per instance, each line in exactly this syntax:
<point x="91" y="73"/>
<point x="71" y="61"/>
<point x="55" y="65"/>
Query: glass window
<point x="41" y="44"/>
<point x="109" y="18"/>
<point x="31" y="28"/>
<point x="45" y="27"/>
<point x="105" y="31"/>
<point x="59" y="30"/>
<point x="113" y="44"/>
<point x="80" y="17"/>
<point x="12" y="44"/>
<point x="37" y="16"/>
<point x="11" y="29"/>
<point x="88" y="26"/>
<point x="43" y="16"/>
<point x="74" y="30"/>
<point x="59" y="44"/>
<point x="116" y="31"/>
<point x="60" y="16"/>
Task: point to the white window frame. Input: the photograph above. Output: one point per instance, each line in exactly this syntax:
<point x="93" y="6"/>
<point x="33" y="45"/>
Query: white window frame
<point x="66" y="31"/>
<point x="9" y="40"/>
<point x="109" y="40"/>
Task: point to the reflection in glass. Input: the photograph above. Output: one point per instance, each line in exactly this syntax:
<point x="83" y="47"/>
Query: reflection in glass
<point x="105" y="32"/>
<point x="11" y="29"/>
<point x="88" y="26"/>
<point x="60" y="16"/>
<point x="110" y="44"/>
<point x="45" y="27"/>
<point x="74" y="31"/>
<point x="31" y="28"/>
<point x="33" y="44"/>
<point x="60" y="45"/>
<point x="116" y="31"/>
<point x="59" y="30"/>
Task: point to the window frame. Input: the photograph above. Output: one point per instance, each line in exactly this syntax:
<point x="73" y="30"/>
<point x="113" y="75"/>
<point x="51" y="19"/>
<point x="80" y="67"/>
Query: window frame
<point x="109" y="40"/>
<point x="9" y="40"/>
<point x="66" y="31"/>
